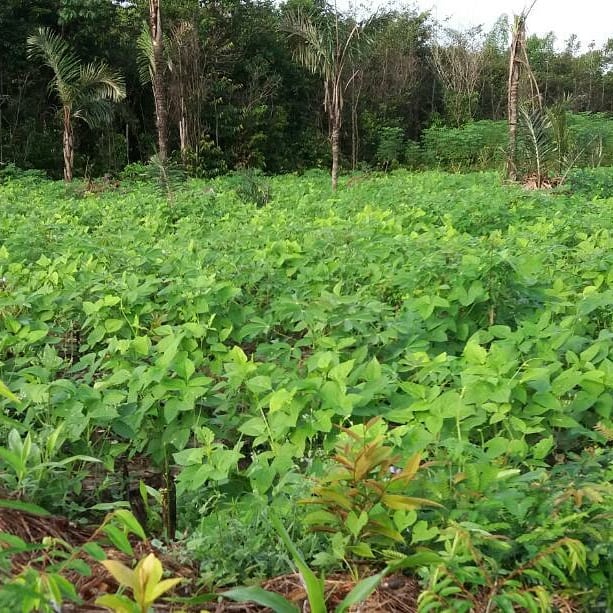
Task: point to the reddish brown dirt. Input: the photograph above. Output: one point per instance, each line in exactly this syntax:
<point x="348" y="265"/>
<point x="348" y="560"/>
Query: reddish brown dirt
<point x="397" y="594"/>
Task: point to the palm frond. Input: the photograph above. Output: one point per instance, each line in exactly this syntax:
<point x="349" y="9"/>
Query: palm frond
<point x="94" y="112"/>
<point x="349" y="48"/>
<point x="144" y="59"/>
<point x="97" y="80"/>
<point x="313" y="44"/>
<point x="97" y="87"/>
<point x="181" y="32"/>
<point x="55" y="53"/>
<point x="537" y="126"/>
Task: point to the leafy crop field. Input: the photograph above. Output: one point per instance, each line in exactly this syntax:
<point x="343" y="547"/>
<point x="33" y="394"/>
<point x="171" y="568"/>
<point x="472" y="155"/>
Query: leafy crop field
<point x="225" y="344"/>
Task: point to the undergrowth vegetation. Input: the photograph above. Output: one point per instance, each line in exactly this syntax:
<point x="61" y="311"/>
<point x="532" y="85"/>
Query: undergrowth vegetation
<point x="419" y="367"/>
<point x="573" y="139"/>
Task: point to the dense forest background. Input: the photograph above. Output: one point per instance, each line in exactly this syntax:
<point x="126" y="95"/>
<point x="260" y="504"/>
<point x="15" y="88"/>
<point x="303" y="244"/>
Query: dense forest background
<point x="238" y="99"/>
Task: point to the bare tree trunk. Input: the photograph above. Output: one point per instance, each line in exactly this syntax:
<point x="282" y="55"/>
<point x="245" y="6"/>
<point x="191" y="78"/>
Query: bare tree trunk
<point x="183" y="135"/>
<point x="68" y="145"/>
<point x="356" y="90"/>
<point x="161" y="109"/>
<point x="183" y="120"/>
<point x="335" y="138"/>
<point x="354" y="132"/>
<point x="519" y="35"/>
<point x="127" y="144"/>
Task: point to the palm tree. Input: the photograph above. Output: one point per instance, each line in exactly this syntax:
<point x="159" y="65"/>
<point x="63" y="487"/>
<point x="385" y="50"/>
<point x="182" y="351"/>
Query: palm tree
<point x="84" y="90"/>
<point x="326" y="48"/>
<point x="157" y="77"/>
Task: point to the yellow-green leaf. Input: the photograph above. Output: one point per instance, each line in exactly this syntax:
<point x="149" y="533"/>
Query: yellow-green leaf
<point x="408" y="472"/>
<point x="397" y="502"/>
<point x="117" y="604"/>
<point x="377" y="528"/>
<point x="163" y="586"/>
<point x="6" y="392"/>
<point x="328" y="495"/>
<point x="121" y="573"/>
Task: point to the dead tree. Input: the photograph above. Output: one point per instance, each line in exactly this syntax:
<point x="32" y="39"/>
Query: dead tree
<point x="518" y="66"/>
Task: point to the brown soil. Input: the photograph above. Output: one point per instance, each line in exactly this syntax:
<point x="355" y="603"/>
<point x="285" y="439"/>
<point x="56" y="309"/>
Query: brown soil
<point x="396" y="594"/>
<point x="532" y="182"/>
<point x="34" y="528"/>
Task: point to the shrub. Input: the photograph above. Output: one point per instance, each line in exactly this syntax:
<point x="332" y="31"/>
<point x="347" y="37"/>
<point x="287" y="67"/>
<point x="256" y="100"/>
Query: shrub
<point x="389" y="149"/>
<point x="479" y="144"/>
<point x="253" y="188"/>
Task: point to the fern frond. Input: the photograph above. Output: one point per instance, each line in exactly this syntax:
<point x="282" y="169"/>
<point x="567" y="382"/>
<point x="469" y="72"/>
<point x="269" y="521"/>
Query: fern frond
<point x="606" y="431"/>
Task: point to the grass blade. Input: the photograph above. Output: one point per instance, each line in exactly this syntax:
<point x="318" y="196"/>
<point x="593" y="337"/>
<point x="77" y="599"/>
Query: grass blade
<point x="314" y="585"/>
<point x="361" y="591"/>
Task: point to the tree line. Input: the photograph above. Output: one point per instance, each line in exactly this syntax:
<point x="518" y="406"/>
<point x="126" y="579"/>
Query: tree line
<point x="228" y="84"/>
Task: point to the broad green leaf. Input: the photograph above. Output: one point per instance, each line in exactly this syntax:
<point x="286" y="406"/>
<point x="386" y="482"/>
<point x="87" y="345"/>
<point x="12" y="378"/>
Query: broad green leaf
<point x="130" y="522"/>
<point x="80" y="566"/>
<point x="279" y="399"/>
<point x="255" y="426"/>
<point x="259" y="384"/>
<point x="355" y="523"/>
<point x="340" y="372"/>
<point x="95" y="551"/>
<point x="119" y="539"/>
<point x="542" y="448"/>
<point x="497" y="447"/>
<point x="142" y="345"/>
<point x="184" y="367"/>
<point x="263" y="597"/>
<point x="14" y="460"/>
<point x="113" y="325"/>
<point x="474" y="353"/>
<point x="6" y="392"/>
<point x="362" y="550"/>
<point x="420" y="532"/>
<point x="422" y="558"/>
<point x="566" y="381"/>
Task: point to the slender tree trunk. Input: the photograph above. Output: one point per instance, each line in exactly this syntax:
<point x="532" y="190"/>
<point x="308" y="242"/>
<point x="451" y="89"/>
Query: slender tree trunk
<point x="335" y="138"/>
<point x="127" y="144"/>
<point x="354" y="132"/>
<point x="519" y="34"/>
<point x="183" y="138"/>
<point x="183" y="120"/>
<point x="1" y="100"/>
<point x="161" y="109"/>
<point x="68" y="145"/>
<point x="183" y="134"/>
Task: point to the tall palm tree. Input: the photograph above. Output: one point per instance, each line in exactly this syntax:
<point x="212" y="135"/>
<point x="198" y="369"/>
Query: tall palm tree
<point x="326" y="48"/>
<point x="84" y="90"/>
<point x="157" y="77"/>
